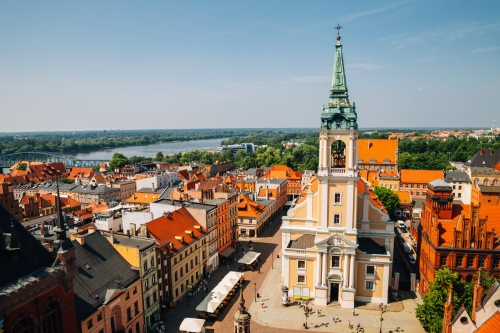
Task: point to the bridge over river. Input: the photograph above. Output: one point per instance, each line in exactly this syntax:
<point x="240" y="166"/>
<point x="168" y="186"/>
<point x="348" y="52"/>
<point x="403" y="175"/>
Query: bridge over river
<point x="8" y="160"/>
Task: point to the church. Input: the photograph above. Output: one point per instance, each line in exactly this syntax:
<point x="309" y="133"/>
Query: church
<point x="338" y="240"/>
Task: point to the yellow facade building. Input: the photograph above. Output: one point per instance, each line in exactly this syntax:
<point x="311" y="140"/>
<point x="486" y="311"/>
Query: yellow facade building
<point x="337" y="238"/>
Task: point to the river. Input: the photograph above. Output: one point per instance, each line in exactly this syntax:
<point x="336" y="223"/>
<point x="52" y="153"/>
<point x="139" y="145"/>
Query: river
<point x="167" y="148"/>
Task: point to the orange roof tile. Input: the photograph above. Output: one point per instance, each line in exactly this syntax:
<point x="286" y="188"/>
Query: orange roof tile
<point x="377" y="151"/>
<point x="249" y="208"/>
<point x="75" y="172"/>
<point x="491" y="325"/>
<point x="143" y="198"/>
<point x="421" y="176"/>
<point x="404" y="197"/>
<point x="165" y="229"/>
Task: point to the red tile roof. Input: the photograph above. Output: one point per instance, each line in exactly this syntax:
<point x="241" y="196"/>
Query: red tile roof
<point x="377" y="151"/>
<point x="179" y="223"/>
<point x="421" y="176"/>
<point x="492" y="325"/>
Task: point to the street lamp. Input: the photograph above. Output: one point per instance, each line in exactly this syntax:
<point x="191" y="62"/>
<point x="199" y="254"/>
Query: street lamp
<point x="255" y="290"/>
<point x="272" y="257"/>
<point x="383" y="308"/>
<point x="307" y="315"/>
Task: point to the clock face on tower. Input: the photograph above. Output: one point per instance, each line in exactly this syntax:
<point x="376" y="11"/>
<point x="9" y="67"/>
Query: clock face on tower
<point x="338" y="119"/>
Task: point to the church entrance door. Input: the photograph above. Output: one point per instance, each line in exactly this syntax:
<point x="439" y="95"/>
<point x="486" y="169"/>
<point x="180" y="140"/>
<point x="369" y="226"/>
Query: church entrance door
<point x="334" y="292"/>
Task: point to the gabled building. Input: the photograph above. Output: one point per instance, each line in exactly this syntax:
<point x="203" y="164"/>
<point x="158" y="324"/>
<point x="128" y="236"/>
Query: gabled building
<point x="181" y="245"/>
<point x="251" y="216"/>
<point x="416" y="181"/>
<point x="36" y="290"/>
<point x="337" y="239"/>
<point x="458" y="236"/>
<point x="460" y="182"/>
<point x="108" y="291"/>
<point x="294" y="179"/>
<point x="378" y="154"/>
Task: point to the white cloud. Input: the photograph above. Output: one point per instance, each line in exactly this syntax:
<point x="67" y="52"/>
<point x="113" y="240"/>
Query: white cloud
<point x="486" y="49"/>
<point x="356" y="16"/>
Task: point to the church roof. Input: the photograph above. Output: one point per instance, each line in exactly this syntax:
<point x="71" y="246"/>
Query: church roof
<point x="369" y="246"/>
<point x="491" y="325"/>
<point x="377" y="151"/>
<point x="303" y="242"/>
<point x="32" y="256"/>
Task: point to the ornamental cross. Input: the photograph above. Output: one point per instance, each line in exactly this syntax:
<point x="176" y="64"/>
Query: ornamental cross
<point x="338" y="27"/>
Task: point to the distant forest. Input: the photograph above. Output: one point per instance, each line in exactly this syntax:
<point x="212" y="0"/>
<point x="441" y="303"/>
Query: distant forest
<point x="420" y="153"/>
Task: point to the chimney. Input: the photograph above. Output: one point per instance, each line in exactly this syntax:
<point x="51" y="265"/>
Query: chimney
<point x="267" y="193"/>
<point x="80" y="239"/>
<point x="112" y="237"/>
<point x="180" y="238"/>
<point x="153" y="186"/>
<point x="189" y="232"/>
<point x="491" y="151"/>
<point x="478" y="296"/>
<point x="481" y="152"/>
<point x="128" y="233"/>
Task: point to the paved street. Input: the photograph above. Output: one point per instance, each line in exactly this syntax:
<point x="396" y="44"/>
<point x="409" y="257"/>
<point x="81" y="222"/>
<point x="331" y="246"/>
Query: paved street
<point x="275" y="318"/>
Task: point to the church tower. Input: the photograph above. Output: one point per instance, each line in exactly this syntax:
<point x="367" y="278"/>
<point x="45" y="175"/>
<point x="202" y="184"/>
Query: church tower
<point x="337" y="238"/>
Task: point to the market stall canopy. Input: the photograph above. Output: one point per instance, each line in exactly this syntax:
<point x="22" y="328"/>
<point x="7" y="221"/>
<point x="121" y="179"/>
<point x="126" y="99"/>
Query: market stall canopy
<point x="227" y="252"/>
<point x="192" y="325"/>
<point x="249" y="257"/>
<point x="215" y="297"/>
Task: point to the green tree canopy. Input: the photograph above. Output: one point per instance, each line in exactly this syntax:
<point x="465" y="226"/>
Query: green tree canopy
<point x="118" y="161"/>
<point x="431" y="311"/>
<point x="159" y="157"/>
<point x="21" y="166"/>
<point x="389" y="199"/>
<point x="66" y="181"/>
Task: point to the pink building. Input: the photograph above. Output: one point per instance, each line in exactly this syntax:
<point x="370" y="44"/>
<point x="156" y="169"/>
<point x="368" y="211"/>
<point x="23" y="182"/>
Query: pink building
<point x="108" y="291"/>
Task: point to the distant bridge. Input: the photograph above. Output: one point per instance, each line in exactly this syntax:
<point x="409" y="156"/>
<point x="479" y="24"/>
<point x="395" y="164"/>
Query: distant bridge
<point x="9" y="160"/>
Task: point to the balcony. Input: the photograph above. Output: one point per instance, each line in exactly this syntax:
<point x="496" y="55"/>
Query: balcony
<point x="337" y="170"/>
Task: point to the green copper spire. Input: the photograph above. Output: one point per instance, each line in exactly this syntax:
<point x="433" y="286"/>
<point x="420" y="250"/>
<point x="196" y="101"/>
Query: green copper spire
<point x="339" y="114"/>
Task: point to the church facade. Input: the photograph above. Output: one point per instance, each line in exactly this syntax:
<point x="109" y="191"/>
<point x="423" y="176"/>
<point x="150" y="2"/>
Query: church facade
<point x="338" y="239"/>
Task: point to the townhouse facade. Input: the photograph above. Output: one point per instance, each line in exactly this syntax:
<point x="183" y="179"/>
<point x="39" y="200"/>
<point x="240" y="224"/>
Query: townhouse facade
<point x="415" y="181"/>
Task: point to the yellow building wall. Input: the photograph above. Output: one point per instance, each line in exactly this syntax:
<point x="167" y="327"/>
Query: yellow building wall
<point x="361" y="278"/>
<point x="130" y="254"/>
<point x="309" y="273"/>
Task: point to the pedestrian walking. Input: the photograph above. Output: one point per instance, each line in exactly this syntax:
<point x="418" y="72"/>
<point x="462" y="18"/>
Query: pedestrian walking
<point x="262" y="304"/>
<point x="259" y="270"/>
<point x="348" y="323"/>
<point x="354" y="312"/>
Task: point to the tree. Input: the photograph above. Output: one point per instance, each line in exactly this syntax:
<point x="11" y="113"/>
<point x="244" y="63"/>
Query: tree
<point x="118" y="161"/>
<point x="66" y="181"/>
<point x="96" y="168"/>
<point x="21" y="166"/>
<point x="431" y="311"/>
<point x="239" y="157"/>
<point x="389" y="199"/>
<point x="159" y="156"/>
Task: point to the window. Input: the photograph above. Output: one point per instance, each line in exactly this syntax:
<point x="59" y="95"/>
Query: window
<point x="424" y="186"/>
<point x="481" y="261"/>
<point x="145" y="265"/>
<point x="336" y="219"/>
<point x="146" y="285"/>
<point x="337" y="198"/>
<point x="127" y="295"/>
<point x="191" y="263"/>
<point x="443" y="261"/>
<point x="301" y="279"/>
<point x="155" y="298"/>
<point x="90" y="323"/>
<point x="196" y="260"/>
<point x="418" y="185"/>
<point x="99" y="316"/>
<point x="470" y="262"/>
<point x="369" y="285"/>
<point x="175" y="277"/>
<point x="417" y="193"/>
<point x="301" y="264"/>
<point x="175" y="261"/>
<point x="496" y="263"/>
<point x="135" y="290"/>
<point x="187" y="269"/>
<point x="148" y="302"/>
<point x="137" y="328"/>
<point x="129" y="314"/>
<point x="136" y="308"/>
<point x="176" y="292"/>
<point x="153" y="280"/>
<point x="424" y="193"/>
<point x="335" y="261"/>
<point x="152" y="262"/>
<point x="411" y="192"/>
<point x="182" y="272"/>
<point x="460" y="261"/>
<point x="101" y="330"/>
<point x="370" y="270"/>
<point x="459" y="187"/>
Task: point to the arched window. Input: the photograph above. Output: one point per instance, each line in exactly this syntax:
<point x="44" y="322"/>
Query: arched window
<point x="51" y="319"/>
<point x="495" y="182"/>
<point x="476" y="181"/>
<point x="24" y="326"/>
<point x="486" y="182"/>
<point x="338" y="154"/>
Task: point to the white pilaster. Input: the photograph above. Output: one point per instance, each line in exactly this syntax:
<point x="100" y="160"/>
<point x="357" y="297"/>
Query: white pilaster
<point x="318" y="269"/>
<point x="352" y="152"/>
<point x="325" y="151"/>
<point x="286" y="271"/>
<point x="351" y="272"/>
<point x="346" y="269"/>
<point x="350" y="206"/>
<point x="324" y="203"/>
<point x="324" y="273"/>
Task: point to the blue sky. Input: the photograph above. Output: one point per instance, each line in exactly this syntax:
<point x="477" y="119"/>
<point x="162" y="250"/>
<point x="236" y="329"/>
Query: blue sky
<point x="94" y="65"/>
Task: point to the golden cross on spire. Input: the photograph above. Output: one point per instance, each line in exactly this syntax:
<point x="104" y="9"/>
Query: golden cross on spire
<point x="338" y="27"/>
